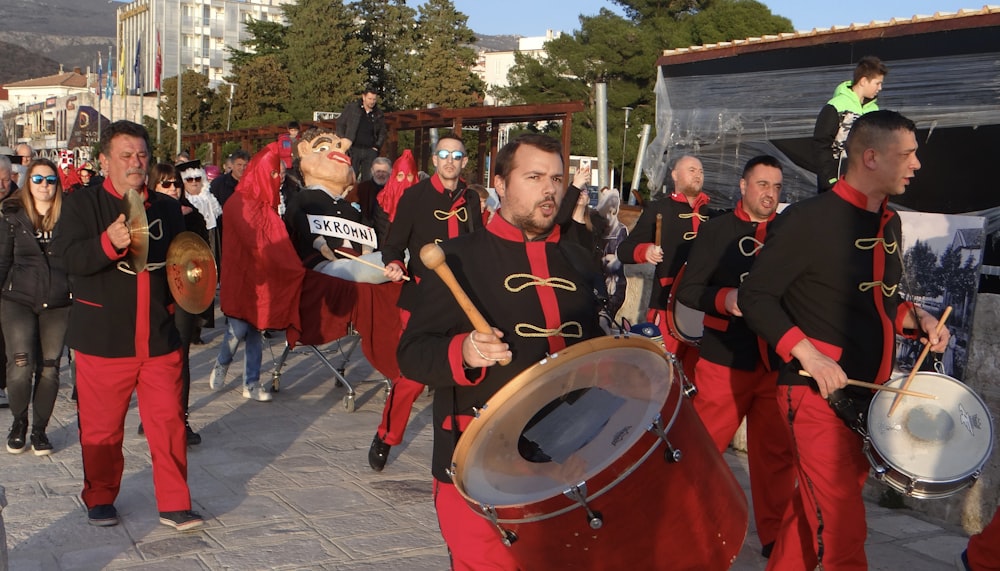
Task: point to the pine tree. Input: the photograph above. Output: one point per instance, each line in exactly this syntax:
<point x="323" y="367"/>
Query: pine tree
<point x="324" y="57"/>
<point x="442" y="72"/>
<point x="261" y="94"/>
<point x="388" y="34"/>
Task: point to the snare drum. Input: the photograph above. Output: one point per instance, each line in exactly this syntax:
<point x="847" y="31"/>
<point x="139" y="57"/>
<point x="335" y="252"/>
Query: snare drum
<point x="684" y="323"/>
<point x="929" y="448"/>
<point x="592" y="456"/>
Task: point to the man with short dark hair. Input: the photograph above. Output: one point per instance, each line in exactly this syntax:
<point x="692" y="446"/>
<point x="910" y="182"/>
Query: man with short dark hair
<point x="121" y="327"/>
<point x="557" y="309"/>
<point x="831" y="308"/>
<point x="362" y="123"/>
<point x="224" y="186"/>
<point x="734" y="369"/>
<point x="851" y="99"/>
<point x="431" y="211"/>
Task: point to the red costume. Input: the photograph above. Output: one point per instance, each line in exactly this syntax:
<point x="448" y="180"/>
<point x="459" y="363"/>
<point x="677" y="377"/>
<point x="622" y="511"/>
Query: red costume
<point x="983" y="553"/>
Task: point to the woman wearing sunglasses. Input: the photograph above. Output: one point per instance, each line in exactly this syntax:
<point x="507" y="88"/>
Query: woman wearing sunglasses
<point x="35" y="308"/>
<point x="164" y="176"/>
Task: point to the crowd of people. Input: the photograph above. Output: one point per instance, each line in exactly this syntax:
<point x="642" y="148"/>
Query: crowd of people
<point x="774" y="351"/>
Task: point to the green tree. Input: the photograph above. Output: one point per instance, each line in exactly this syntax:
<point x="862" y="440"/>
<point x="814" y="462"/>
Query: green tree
<point x="265" y="39"/>
<point x="388" y="34"/>
<point x="324" y="57"/>
<point x="442" y="68"/>
<point x="261" y="93"/>
<point x="201" y="106"/>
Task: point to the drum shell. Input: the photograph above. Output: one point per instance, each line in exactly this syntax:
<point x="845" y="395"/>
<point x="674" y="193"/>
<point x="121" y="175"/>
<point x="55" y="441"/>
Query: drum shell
<point x="657" y="514"/>
<point x="915" y="476"/>
<point x="684" y="323"/>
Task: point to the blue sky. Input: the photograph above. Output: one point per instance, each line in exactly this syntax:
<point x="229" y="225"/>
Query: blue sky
<point x="533" y="17"/>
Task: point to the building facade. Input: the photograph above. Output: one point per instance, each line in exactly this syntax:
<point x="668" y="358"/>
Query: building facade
<point x="493" y="66"/>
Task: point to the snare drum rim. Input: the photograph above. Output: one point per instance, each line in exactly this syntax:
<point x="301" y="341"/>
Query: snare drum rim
<point x="672" y="302"/>
<point x="893" y="468"/>
<point x="515" y="385"/>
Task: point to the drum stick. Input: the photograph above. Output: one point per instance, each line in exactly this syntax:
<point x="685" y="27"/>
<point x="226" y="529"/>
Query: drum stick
<point x="873" y="386"/>
<point x="659" y="229"/>
<point x="433" y="257"/>
<point x="920" y="360"/>
<point x="365" y="262"/>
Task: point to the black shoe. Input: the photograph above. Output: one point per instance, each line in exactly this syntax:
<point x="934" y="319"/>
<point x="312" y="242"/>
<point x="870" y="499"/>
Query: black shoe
<point x="17" y="439"/>
<point x="378" y="454"/>
<point x="182" y="520"/>
<point x="104" y="515"/>
<point x="193" y="438"/>
<point x="40" y="442"/>
<point x="766" y="550"/>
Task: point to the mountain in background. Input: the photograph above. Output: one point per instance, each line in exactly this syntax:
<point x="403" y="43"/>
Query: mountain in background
<point x="45" y="34"/>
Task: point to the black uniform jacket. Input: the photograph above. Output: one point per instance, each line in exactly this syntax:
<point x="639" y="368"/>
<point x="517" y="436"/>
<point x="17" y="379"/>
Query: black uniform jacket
<point x="427" y="214"/>
<point x="678" y="229"/>
<point x="719" y="260"/>
<point x="535" y="292"/>
<point x="830" y="271"/>
<point x="29" y="274"/>
<point x="116" y="312"/>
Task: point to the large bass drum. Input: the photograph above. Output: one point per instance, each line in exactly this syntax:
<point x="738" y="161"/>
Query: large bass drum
<point x="929" y="448"/>
<point x="593" y="459"/>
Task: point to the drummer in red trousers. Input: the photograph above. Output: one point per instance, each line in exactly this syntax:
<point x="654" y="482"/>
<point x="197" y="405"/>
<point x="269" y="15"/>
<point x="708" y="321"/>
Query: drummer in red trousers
<point x="735" y="372"/>
<point x="682" y="212"/>
<point x="824" y="292"/>
<point x="531" y="285"/>
<point x="983" y="552"/>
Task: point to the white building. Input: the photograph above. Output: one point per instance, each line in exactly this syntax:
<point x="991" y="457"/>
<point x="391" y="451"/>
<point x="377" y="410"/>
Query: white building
<point x="193" y="35"/>
<point x="493" y="67"/>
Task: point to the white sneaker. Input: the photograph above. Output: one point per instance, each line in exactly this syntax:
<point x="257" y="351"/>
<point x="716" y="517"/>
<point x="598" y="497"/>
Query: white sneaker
<point x="218" y="377"/>
<point x="257" y="392"/>
<point x="3" y="399"/>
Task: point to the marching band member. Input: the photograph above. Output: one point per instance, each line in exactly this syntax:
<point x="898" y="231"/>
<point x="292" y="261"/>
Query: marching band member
<point x="121" y="328"/>
<point x="824" y="293"/>
<point x="736" y="379"/>
<point x="431" y="211"/>
<point x="682" y="213"/>
<point x="531" y="285"/>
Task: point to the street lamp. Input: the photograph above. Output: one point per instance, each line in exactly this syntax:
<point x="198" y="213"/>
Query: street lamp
<point x="624" y="139"/>
<point x="229" y="119"/>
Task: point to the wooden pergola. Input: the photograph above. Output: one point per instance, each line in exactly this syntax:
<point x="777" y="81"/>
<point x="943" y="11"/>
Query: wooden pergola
<point x="489" y="121"/>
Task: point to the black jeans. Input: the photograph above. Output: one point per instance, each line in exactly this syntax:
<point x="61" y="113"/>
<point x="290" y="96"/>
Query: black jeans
<point x="361" y="160"/>
<point x="24" y="332"/>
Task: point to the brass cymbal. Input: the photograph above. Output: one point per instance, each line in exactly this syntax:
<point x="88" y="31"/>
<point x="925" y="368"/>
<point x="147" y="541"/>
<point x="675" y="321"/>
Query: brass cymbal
<point x="191" y="272"/>
<point x="138" y="228"/>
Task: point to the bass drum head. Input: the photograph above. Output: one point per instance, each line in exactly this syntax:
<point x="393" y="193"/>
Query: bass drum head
<point x="943" y="440"/>
<point x="562" y="421"/>
<point x="685" y="324"/>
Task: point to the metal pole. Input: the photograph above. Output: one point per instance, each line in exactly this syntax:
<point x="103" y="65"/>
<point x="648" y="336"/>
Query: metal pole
<point x="624" y="139"/>
<point x="637" y="176"/>
<point x="601" y="94"/>
<point x="178" y="150"/>
<point x="229" y="119"/>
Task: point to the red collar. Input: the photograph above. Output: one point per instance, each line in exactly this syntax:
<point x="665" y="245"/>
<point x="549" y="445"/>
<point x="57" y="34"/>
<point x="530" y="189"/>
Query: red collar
<point x="701" y="200"/>
<point x="111" y="190"/>
<point x="742" y="214"/>
<point x="853" y="196"/>
<point x="503" y="229"/>
<point x="439" y="186"/>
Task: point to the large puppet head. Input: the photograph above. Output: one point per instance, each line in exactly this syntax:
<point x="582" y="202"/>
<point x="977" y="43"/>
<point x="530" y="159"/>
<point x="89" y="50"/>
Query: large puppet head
<point x="322" y="159"/>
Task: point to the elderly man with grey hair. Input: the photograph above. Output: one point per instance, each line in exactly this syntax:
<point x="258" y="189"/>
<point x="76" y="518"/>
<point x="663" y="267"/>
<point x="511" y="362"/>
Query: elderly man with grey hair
<point x="25" y="152"/>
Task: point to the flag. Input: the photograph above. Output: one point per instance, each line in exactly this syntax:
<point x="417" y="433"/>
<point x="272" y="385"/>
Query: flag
<point x="137" y="67"/>
<point x="100" y="76"/>
<point x="121" y="72"/>
<point x="109" y="90"/>
<point x="159" y="61"/>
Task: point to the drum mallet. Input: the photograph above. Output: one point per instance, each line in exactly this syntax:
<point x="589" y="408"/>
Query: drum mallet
<point x="365" y="262"/>
<point x="920" y="360"/>
<point x="659" y="230"/>
<point x="433" y="257"/>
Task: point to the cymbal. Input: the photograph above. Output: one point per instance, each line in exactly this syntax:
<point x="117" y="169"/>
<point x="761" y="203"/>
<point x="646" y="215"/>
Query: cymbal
<point x="191" y="272"/>
<point x="138" y="227"/>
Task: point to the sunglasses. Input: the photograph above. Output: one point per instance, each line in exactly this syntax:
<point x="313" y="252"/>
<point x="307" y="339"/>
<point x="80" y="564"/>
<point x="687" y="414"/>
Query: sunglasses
<point x="169" y="183"/>
<point x="193" y="179"/>
<point x="51" y="179"/>
<point x="443" y="154"/>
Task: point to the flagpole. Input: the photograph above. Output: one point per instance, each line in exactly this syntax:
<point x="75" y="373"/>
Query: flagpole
<point x="111" y="95"/>
<point x="179" y="128"/>
<point x="138" y="79"/>
<point x="159" y="67"/>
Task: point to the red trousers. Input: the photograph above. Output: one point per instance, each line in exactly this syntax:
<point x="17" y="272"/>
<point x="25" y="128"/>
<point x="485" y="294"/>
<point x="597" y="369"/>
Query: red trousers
<point x="984" y="547"/>
<point x="473" y="542"/>
<point x="825" y="520"/>
<point x="399" y="404"/>
<point x="104" y="391"/>
<point x="725" y="397"/>
<point x="686" y="354"/>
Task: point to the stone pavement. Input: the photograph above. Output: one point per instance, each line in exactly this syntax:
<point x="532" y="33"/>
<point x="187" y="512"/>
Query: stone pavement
<point x="286" y="485"/>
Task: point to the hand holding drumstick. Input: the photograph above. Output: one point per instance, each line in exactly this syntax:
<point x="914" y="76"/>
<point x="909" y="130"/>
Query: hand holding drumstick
<point x="482" y="347"/>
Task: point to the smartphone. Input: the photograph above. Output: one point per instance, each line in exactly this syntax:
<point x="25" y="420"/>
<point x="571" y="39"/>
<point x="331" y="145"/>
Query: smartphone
<point x="585" y="163"/>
